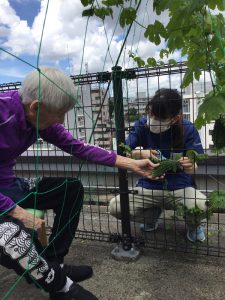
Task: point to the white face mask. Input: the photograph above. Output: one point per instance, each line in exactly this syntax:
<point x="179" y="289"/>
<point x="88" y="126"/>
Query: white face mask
<point x="157" y="126"/>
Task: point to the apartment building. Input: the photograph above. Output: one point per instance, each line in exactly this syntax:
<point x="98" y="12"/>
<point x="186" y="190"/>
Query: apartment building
<point x="90" y="119"/>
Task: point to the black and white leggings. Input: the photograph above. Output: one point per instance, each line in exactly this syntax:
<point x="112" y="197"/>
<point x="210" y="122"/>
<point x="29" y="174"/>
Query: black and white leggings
<point x="20" y="250"/>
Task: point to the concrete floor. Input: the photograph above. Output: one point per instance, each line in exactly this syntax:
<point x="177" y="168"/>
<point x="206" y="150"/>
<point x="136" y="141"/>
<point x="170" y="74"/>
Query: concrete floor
<point x="156" y="275"/>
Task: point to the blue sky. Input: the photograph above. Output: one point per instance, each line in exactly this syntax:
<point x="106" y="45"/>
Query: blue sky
<point x="26" y="9"/>
<point x="11" y="69"/>
<point x="66" y="43"/>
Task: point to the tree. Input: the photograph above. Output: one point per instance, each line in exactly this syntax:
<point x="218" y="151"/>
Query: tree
<point x="196" y="28"/>
<point x="132" y="114"/>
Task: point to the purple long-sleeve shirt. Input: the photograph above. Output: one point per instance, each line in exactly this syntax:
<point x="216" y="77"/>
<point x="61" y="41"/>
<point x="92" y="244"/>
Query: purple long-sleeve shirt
<point x="17" y="135"/>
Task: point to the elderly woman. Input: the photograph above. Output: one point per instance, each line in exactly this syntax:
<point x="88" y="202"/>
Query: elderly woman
<point x="39" y="107"/>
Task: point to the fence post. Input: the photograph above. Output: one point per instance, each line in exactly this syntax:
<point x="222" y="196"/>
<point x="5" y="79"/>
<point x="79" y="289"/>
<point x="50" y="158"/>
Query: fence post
<point x="117" y="76"/>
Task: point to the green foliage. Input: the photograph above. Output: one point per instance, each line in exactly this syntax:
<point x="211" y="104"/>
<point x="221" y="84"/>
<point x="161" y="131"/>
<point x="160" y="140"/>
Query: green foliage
<point x="194" y="156"/>
<point x="125" y="149"/>
<point x="132" y="114"/>
<point x="167" y="165"/>
<point x="87" y="2"/>
<point x="216" y="200"/>
<point x="210" y="109"/>
<point x="155" y="31"/>
<point x="127" y="16"/>
<point x="194" y="214"/>
<point x="218" y="134"/>
<point x="112" y="2"/>
<point x="102" y="12"/>
<point x="88" y="12"/>
<point x="173" y="165"/>
<point x="140" y="62"/>
<point x="194" y="29"/>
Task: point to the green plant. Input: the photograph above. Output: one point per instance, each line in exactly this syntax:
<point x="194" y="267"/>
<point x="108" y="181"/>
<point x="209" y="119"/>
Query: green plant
<point x="196" y="28"/>
<point x="166" y="165"/>
<point x="216" y="200"/>
<point x="218" y="134"/>
<point x="173" y="165"/>
<point x="125" y="149"/>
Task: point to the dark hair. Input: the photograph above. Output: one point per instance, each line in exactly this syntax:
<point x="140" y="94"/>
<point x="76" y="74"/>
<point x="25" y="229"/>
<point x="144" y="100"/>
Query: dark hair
<point x="167" y="103"/>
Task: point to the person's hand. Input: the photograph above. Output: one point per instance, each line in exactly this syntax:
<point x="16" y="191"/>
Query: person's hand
<point x="150" y="153"/>
<point x="144" y="167"/>
<point x="27" y="218"/>
<point x="187" y="165"/>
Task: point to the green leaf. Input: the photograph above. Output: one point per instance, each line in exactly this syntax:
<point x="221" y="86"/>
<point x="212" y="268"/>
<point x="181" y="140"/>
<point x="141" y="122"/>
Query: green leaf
<point x="160" y="29"/>
<point x="188" y="78"/>
<point x="127" y="16"/>
<point x="87" y="2"/>
<point x="88" y="12"/>
<point x="155" y="31"/>
<point x="102" y="12"/>
<point x="163" y="52"/>
<point x="172" y="62"/>
<point x="197" y="74"/>
<point x="221" y="5"/>
<point x="152" y="35"/>
<point x="211" y="4"/>
<point x="112" y="2"/>
<point x="217" y="199"/>
<point x="151" y="62"/>
<point x="140" y="62"/>
<point x="160" y="63"/>
<point x="210" y="109"/>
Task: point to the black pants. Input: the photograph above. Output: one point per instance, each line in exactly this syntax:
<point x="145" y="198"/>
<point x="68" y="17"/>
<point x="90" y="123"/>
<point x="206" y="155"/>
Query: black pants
<point x="20" y="249"/>
<point x="65" y="197"/>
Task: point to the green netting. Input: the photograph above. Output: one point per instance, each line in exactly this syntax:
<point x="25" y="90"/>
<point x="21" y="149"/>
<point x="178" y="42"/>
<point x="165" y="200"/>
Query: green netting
<point x="74" y="98"/>
<point x="77" y="105"/>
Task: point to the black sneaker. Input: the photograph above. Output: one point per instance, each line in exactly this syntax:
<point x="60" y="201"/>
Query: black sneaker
<point x="76" y="292"/>
<point x="78" y="273"/>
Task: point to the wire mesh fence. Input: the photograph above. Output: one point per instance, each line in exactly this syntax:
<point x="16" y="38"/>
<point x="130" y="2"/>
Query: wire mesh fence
<point x="105" y="117"/>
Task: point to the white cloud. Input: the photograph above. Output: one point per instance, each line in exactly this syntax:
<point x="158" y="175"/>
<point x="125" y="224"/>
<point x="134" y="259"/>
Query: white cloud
<point x="64" y="34"/>
<point x="12" y="72"/>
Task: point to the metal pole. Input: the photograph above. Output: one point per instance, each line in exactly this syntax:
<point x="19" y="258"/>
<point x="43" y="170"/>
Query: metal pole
<point x="120" y="138"/>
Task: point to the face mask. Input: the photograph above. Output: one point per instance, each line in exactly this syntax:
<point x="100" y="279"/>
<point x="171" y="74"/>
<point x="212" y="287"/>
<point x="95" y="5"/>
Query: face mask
<point x="157" y="126"/>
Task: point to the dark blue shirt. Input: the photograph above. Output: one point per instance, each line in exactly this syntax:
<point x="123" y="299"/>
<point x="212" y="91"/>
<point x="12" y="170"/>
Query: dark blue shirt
<point x="141" y="136"/>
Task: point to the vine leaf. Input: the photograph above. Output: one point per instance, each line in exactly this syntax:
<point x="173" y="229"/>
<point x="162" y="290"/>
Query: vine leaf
<point x="88" y="12"/>
<point x="87" y="2"/>
<point x="128" y="15"/>
<point x="112" y="2"/>
<point x="210" y="109"/>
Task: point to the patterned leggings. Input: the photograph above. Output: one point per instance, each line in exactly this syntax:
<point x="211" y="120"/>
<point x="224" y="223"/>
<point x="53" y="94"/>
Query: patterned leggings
<point x="20" y="250"/>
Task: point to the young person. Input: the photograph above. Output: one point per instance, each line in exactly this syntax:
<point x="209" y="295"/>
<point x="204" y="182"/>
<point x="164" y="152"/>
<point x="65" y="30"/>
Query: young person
<point x="40" y="105"/>
<point x="165" y="131"/>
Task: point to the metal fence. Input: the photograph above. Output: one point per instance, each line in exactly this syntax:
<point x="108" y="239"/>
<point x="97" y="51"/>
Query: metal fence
<point x="108" y="104"/>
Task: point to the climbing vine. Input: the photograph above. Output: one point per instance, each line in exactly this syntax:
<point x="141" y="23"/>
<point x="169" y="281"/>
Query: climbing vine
<point x="196" y="29"/>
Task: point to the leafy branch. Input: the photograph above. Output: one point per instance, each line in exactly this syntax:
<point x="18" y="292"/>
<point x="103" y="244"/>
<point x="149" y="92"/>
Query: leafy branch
<point x="166" y="165"/>
<point x="199" y="38"/>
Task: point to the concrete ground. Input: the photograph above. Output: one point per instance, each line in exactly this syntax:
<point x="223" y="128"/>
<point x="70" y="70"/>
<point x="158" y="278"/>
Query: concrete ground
<point x="156" y="275"/>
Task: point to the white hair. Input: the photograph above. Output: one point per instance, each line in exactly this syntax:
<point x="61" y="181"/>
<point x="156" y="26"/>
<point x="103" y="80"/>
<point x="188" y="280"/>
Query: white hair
<point x="51" y="86"/>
